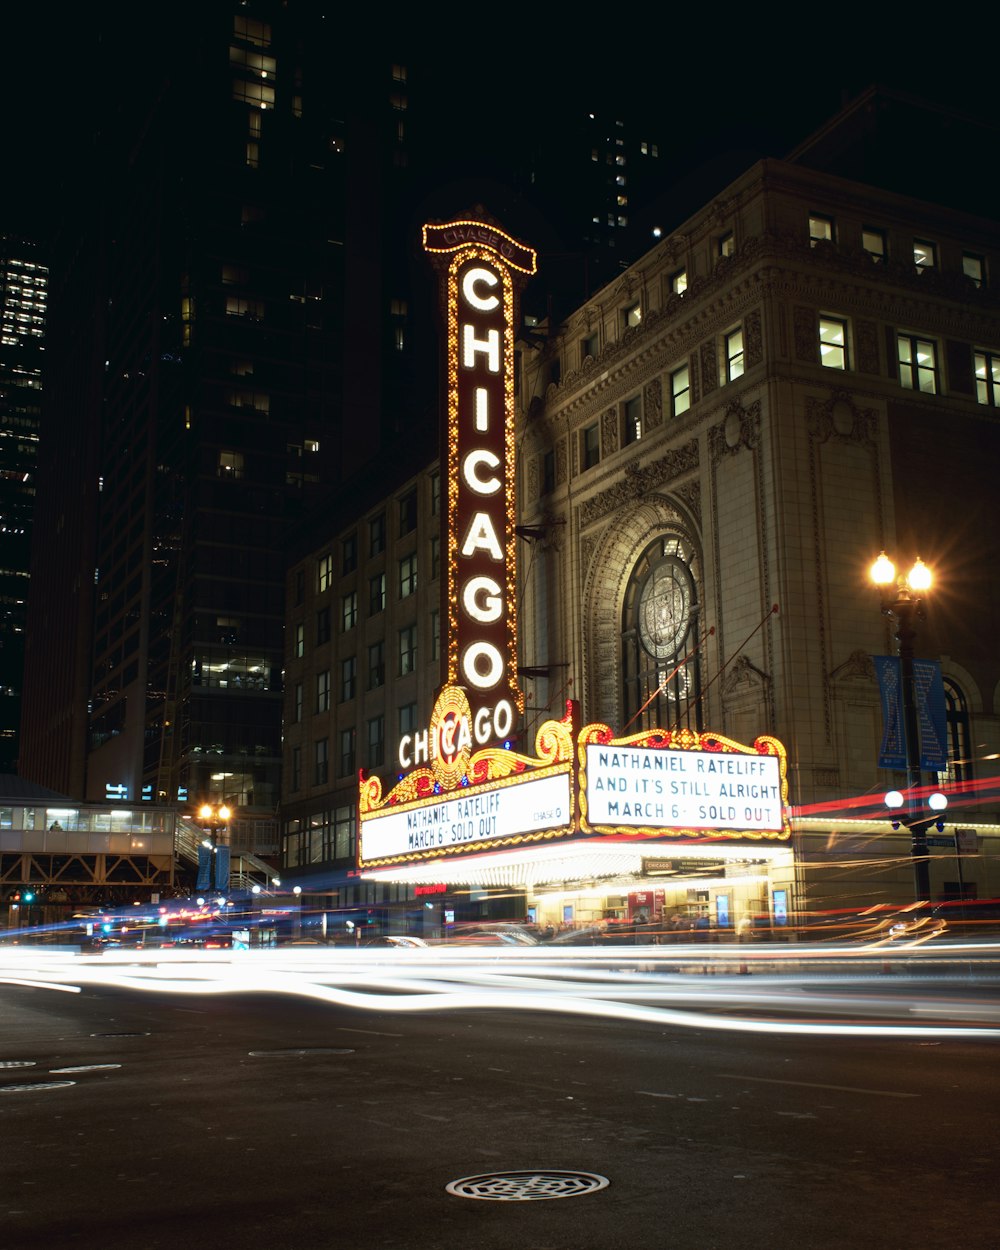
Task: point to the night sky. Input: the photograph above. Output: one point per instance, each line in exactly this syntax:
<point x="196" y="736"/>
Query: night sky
<point x="716" y="83"/>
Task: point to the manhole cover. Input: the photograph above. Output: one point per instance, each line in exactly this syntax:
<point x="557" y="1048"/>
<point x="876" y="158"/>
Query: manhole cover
<point x="527" y="1186"/>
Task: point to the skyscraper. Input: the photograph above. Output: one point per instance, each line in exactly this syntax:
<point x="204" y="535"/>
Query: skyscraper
<point x="23" y="304"/>
<point x="207" y="297"/>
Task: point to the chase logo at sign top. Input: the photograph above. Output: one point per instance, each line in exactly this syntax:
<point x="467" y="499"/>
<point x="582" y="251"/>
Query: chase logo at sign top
<point x="482" y="270"/>
<point x="458" y="234"/>
<point x="663" y="783"/>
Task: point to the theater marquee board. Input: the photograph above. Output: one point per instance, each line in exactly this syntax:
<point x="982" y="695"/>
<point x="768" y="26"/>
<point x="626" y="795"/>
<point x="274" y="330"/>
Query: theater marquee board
<point x="681" y="784"/>
<point x="467" y="801"/>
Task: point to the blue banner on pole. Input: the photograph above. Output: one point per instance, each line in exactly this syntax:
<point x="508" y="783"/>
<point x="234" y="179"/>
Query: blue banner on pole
<point x="222" y="868"/>
<point x="204" y="881"/>
<point x="929" y="689"/>
<point x="892" y="753"/>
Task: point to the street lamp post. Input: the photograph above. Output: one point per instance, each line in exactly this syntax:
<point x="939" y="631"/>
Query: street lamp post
<point x="902" y="599"/>
<point x="214" y="818"/>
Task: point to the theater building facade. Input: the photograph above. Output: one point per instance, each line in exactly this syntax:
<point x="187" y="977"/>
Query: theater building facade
<point x="641" y="681"/>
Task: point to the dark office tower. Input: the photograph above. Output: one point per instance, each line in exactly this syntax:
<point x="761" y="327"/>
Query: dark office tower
<point x="226" y="181"/>
<point x="23" y="301"/>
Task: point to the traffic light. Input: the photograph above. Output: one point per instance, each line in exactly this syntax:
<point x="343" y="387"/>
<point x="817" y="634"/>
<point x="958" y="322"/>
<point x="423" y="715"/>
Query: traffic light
<point x="29" y="895"/>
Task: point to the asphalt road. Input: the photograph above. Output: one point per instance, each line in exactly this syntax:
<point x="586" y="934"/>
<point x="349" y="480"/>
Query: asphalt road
<point x="255" y="1122"/>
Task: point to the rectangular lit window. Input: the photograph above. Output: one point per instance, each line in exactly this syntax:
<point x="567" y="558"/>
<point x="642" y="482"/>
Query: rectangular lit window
<point x="376" y="594"/>
<point x="238" y="306"/>
<point x="258" y="94"/>
<point x="300" y="639"/>
<point x="323" y="691"/>
<point x="680" y="390"/>
<point x="832" y="342"/>
<point x="820" y="229"/>
<point x="679" y="282"/>
<point x="252" y="31"/>
<point x="348" y="677"/>
<point x="924" y="254"/>
<point x="324" y="573"/>
<point x="632" y="316"/>
<point x="632" y="420"/>
<point x="917" y="364"/>
<point x="407" y="650"/>
<point x="734" y="354"/>
<point x="590" y="446"/>
<point x="973" y="267"/>
<point x="727" y="244"/>
<point x="987" y="378"/>
<point x="349" y="610"/>
<point x="231" y="464"/>
<point x="873" y="242"/>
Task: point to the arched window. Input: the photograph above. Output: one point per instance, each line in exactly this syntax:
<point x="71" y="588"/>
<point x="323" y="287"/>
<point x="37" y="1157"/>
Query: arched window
<point x="662" y="678"/>
<point x="959" y="735"/>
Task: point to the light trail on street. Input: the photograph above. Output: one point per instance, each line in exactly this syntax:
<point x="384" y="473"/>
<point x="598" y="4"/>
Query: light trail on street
<point x="942" y="990"/>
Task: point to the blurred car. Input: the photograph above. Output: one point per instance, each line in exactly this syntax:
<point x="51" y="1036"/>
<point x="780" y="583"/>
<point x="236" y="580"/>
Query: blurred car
<point x="920" y="920"/>
<point x="499" y="934"/>
<point x="970" y="917"/>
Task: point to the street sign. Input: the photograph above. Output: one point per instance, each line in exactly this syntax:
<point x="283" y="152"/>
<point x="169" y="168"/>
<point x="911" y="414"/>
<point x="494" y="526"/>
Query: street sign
<point x="949" y="842"/>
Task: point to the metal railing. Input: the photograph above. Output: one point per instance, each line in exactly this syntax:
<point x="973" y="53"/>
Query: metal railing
<point x="245" y="870"/>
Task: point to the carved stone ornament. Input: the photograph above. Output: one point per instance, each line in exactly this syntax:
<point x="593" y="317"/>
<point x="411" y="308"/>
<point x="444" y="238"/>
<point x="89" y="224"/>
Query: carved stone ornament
<point x="533" y="478"/>
<point x="709" y="367"/>
<point x="840" y="417"/>
<point x="609" y="432"/>
<point x="744" y="682"/>
<point x="753" y="345"/>
<point x="858" y="666"/>
<point x="638" y="481"/>
<point x="690" y="494"/>
<point x="866" y="341"/>
<point x="805" y="335"/>
<point x="652" y="404"/>
<point x="588" y="545"/>
<point x="739" y="428"/>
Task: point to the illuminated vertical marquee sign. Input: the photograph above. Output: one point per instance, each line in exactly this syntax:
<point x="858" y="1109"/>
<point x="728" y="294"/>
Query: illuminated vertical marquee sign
<point x="482" y="272"/>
